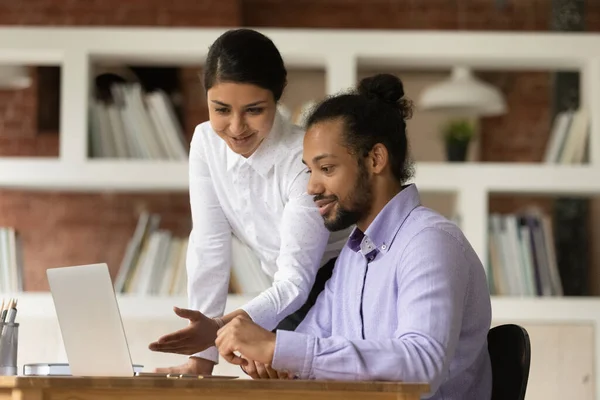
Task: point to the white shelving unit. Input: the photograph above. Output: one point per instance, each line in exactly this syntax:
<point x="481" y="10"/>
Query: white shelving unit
<point x="340" y="54"/>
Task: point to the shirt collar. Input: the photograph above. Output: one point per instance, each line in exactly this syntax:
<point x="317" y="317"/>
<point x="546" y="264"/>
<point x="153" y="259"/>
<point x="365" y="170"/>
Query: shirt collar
<point x="359" y="242"/>
<point x="382" y="231"/>
<point x="265" y="156"/>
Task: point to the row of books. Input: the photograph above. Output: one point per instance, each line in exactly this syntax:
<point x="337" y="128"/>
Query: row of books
<point x="11" y="261"/>
<point x="522" y="255"/>
<point x="522" y="260"/>
<point x="135" y="124"/>
<point x="568" y="138"/>
<point x="154" y="261"/>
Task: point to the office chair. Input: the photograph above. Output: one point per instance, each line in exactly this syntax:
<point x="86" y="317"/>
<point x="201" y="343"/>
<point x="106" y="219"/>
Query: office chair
<point x="510" y="353"/>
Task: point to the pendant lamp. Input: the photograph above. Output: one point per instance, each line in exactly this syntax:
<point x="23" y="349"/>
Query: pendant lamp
<point x="464" y="93"/>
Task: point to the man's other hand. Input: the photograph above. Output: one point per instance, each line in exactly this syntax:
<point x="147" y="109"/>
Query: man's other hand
<point x="243" y="336"/>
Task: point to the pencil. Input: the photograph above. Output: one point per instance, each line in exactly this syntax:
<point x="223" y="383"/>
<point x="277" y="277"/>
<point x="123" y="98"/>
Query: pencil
<point x="12" y="313"/>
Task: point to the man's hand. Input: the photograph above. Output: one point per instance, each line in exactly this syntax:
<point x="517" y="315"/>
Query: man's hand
<point x="194" y="366"/>
<point x="258" y="370"/>
<point x="247" y="338"/>
<point x="199" y="335"/>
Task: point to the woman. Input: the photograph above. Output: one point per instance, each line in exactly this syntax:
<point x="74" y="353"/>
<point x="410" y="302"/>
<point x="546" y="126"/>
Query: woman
<point x="248" y="182"/>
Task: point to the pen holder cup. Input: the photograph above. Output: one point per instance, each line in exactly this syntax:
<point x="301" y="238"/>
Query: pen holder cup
<point x="9" y="345"/>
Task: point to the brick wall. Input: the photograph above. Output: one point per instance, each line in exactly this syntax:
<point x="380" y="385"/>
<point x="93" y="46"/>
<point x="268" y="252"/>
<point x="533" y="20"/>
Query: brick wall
<point x="69" y="228"/>
<point x="522" y="133"/>
<point x="59" y="228"/>
<point x="523" y="15"/>
<point x="176" y="13"/>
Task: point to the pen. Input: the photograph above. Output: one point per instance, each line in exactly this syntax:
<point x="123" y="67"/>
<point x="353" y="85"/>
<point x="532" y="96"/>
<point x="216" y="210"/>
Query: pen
<point x="12" y="313"/>
<point x="8" y="313"/>
<point x="182" y="376"/>
<point x="167" y="375"/>
<point x="185" y="376"/>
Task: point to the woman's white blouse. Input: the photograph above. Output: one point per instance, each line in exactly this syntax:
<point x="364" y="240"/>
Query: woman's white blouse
<point x="263" y="201"/>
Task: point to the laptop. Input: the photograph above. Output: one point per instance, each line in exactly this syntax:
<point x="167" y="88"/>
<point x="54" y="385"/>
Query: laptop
<point x="90" y="321"/>
<point x="91" y="327"/>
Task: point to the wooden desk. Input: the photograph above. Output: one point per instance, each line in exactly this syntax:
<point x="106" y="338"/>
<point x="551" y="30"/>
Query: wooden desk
<point x="68" y="388"/>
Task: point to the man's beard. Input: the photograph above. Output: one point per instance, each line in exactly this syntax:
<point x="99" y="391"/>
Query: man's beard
<point x="359" y="200"/>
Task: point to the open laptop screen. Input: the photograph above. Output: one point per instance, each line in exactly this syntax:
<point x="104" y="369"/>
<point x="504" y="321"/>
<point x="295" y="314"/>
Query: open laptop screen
<point x="90" y="321"/>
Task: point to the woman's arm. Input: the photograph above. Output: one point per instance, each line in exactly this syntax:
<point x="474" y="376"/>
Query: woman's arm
<point x="303" y="241"/>
<point x="209" y="250"/>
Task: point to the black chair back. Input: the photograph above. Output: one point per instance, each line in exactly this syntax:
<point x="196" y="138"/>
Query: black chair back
<point x="510" y="353"/>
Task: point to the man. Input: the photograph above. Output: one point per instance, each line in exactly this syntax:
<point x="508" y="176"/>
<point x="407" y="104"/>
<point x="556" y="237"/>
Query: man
<point x="408" y="298"/>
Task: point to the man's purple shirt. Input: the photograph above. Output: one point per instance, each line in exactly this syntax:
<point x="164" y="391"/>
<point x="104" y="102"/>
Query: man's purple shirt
<point x="408" y="301"/>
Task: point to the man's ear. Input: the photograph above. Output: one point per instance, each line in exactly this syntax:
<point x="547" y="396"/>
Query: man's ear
<point x="378" y="158"/>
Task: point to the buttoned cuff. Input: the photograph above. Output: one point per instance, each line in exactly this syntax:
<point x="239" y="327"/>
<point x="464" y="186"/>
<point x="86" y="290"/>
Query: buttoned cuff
<point x="294" y="352"/>
<point x="260" y="314"/>
<point x="211" y="354"/>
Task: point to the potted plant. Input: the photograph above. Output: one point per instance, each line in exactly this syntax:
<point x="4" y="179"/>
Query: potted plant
<point x="457" y="136"/>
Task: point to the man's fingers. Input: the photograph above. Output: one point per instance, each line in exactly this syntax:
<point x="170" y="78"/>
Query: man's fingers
<point x="250" y="370"/>
<point x="261" y="370"/>
<point x="229" y="357"/>
<point x="227" y="345"/>
<point x="282" y="375"/>
<point x="227" y="351"/>
<point x="235" y="359"/>
<point x="272" y="373"/>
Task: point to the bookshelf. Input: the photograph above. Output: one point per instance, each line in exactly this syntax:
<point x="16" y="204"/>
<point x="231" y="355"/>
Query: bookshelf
<point x="93" y="175"/>
<point x="334" y="58"/>
<point x="76" y="51"/>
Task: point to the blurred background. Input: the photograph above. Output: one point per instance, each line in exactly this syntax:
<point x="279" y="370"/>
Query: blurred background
<point x="57" y="215"/>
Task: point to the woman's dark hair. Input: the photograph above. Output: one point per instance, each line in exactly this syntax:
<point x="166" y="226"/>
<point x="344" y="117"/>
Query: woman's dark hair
<point x="245" y="56"/>
<point x="374" y="113"/>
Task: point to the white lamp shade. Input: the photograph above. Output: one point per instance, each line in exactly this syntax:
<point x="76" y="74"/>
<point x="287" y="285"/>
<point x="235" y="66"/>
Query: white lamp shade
<point x="464" y="93"/>
<point x="14" y="77"/>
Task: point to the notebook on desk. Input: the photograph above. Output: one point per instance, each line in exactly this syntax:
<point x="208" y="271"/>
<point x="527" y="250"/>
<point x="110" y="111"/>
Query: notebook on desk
<point x="90" y="321"/>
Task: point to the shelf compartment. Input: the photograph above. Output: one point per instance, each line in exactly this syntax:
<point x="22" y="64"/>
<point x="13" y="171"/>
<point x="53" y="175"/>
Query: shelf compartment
<point x="29" y="111"/>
